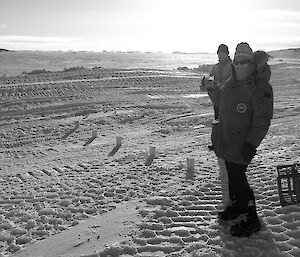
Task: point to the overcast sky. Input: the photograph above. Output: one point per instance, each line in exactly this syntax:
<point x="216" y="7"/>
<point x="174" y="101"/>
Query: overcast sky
<point x="148" y="25"/>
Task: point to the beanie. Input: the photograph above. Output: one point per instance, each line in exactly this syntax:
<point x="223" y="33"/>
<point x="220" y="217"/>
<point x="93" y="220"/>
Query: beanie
<point x="243" y="52"/>
<point x="223" y="49"/>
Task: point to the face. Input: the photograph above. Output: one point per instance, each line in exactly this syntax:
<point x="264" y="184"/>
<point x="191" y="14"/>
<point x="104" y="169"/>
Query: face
<point x="243" y="69"/>
<point x="222" y="56"/>
<point x="262" y="63"/>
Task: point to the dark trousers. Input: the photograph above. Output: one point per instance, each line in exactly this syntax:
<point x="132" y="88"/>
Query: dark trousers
<point x="216" y="111"/>
<point x="239" y="189"/>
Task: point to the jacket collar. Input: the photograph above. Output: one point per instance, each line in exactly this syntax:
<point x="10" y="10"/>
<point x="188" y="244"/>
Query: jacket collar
<point x="248" y="81"/>
<point x="224" y="62"/>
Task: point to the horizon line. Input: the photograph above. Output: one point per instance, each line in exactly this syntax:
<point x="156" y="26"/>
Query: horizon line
<point x="127" y="51"/>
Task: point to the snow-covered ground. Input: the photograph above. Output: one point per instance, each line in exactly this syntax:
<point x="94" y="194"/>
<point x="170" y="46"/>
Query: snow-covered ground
<point x="93" y="163"/>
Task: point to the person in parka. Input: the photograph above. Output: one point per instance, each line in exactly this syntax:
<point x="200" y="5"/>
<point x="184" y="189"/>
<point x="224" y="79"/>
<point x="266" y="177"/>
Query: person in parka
<point x="221" y="72"/>
<point x="246" y="110"/>
<point x="261" y="59"/>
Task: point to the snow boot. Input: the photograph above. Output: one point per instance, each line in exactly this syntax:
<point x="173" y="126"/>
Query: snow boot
<point x="247" y="223"/>
<point x="231" y="212"/>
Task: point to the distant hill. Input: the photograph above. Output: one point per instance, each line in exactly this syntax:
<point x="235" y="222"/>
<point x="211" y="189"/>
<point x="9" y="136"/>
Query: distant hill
<point x="286" y="53"/>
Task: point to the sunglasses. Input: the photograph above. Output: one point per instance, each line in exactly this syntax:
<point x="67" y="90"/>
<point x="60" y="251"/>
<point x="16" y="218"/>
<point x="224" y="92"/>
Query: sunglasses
<point x="241" y="62"/>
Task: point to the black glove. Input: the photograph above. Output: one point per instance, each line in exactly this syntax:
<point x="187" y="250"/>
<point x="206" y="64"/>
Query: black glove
<point x="248" y="151"/>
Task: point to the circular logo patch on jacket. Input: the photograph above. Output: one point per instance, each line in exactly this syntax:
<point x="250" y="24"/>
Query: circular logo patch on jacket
<point x="241" y="108"/>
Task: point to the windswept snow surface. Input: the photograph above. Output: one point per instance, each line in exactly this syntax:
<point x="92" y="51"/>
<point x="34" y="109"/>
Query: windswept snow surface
<point x="70" y="188"/>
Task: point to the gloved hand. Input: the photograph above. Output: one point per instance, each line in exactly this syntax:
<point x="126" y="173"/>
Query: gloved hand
<point x="207" y="84"/>
<point x="248" y="151"/>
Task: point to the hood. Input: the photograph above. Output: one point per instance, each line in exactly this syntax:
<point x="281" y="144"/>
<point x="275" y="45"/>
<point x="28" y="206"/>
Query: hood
<point x="264" y="73"/>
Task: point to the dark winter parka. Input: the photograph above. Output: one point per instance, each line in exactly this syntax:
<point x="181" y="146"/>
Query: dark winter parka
<point x="246" y="110"/>
<point x="221" y="72"/>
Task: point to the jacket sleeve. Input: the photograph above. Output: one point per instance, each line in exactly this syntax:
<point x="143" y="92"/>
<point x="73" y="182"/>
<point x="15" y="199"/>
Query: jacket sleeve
<point x="213" y="71"/>
<point x="262" y="106"/>
<point x="214" y="95"/>
<point x="227" y="72"/>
